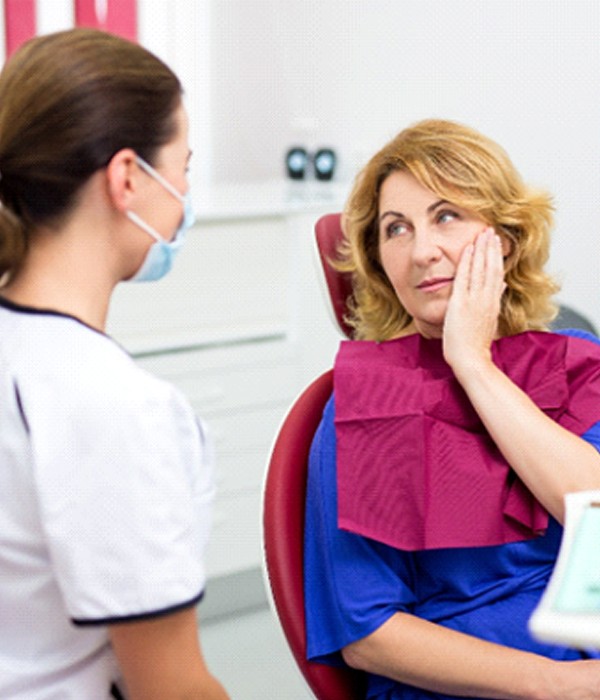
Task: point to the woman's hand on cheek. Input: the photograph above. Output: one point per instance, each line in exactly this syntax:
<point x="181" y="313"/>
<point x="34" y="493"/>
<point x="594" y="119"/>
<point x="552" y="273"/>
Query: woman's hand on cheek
<point x="471" y="318"/>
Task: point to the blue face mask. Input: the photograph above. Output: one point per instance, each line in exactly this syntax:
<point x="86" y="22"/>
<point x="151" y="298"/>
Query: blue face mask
<point x="160" y="256"/>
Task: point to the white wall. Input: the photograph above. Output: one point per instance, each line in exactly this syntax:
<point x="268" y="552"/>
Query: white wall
<point x="351" y="73"/>
<point x="179" y="32"/>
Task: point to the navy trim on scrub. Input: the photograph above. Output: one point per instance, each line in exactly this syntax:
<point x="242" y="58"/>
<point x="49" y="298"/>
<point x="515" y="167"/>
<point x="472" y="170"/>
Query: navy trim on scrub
<point x="141" y="616"/>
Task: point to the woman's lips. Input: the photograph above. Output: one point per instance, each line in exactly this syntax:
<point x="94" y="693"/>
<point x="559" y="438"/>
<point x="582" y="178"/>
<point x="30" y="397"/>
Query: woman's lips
<point x="432" y="285"/>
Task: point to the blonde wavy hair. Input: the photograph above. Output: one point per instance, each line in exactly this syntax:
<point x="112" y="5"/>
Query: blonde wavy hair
<point x="471" y="171"/>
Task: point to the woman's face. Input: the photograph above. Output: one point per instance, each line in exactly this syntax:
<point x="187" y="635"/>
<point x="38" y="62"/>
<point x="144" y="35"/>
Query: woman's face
<point x="421" y="240"/>
<point x="155" y="204"/>
<point x="172" y="163"/>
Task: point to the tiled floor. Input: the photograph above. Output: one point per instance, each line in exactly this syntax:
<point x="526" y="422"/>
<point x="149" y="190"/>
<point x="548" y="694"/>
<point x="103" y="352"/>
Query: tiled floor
<point x="249" y="655"/>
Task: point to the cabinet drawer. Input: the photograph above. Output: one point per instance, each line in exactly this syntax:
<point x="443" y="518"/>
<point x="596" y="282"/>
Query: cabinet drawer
<point x="221" y="391"/>
<point x="237" y="388"/>
<point x="243" y="443"/>
<point x="235" y="543"/>
<point x="229" y="275"/>
<point x="217" y="382"/>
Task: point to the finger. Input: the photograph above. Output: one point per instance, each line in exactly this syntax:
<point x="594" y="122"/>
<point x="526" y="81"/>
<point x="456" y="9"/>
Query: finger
<point x="480" y="261"/>
<point x="495" y="265"/>
<point x="462" y="276"/>
<point x="493" y="287"/>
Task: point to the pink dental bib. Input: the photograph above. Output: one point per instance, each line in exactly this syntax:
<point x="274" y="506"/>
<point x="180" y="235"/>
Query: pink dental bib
<point x="417" y="468"/>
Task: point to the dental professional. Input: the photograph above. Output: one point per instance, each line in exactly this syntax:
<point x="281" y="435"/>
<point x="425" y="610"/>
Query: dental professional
<point x="105" y="475"/>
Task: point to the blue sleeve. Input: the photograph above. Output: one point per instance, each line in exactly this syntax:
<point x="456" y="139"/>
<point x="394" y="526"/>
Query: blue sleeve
<point x="593" y="434"/>
<point x="352" y="584"/>
<point x="578" y="333"/>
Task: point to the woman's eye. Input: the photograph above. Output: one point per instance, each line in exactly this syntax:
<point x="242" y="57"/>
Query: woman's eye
<point x="396" y="229"/>
<point x="445" y="216"/>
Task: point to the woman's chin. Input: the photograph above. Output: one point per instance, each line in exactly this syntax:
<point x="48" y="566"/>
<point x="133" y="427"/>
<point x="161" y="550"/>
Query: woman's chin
<point x="430" y="327"/>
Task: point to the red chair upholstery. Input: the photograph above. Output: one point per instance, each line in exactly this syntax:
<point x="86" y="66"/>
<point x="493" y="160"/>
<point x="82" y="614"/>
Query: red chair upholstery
<point x="329" y="235"/>
<point x="283" y="512"/>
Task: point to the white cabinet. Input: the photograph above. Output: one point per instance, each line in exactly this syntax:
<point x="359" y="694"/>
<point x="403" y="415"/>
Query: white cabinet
<point x="240" y="326"/>
<point x="229" y="283"/>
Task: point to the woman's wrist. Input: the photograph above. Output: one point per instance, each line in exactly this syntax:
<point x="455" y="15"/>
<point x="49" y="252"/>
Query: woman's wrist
<point x="544" y="680"/>
<point x="472" y="366"/>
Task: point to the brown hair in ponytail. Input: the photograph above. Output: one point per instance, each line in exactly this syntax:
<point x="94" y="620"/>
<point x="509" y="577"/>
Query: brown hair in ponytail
<point x="68" y="102"/>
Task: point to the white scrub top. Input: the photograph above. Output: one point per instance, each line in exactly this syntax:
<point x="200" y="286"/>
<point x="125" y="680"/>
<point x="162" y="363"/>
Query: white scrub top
<point x="105" y="492"/>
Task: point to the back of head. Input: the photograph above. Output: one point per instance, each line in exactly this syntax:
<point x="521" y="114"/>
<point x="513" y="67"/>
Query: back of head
<point x="464" y="167"/>
<point x="68" y="102"/>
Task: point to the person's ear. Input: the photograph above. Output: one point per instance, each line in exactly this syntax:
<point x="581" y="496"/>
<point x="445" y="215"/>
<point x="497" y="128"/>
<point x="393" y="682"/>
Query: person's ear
<point x="507" y="240"/>
<point x="121" y="177"/>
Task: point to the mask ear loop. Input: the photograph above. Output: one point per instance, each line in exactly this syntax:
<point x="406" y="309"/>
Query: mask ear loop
<point x="155" y="174"/>
<point x="132" y="216"/>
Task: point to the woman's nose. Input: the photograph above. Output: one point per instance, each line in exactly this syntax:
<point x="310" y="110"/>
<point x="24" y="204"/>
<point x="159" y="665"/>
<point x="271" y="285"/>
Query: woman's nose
<point x="426" y="247"/>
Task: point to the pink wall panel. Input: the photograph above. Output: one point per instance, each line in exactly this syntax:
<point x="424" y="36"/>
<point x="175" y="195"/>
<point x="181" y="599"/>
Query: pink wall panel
<point x="19" y="22"/>
<point x="116" y="16"/>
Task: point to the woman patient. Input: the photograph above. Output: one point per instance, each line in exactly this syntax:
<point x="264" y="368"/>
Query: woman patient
<point x="457" y="425"/>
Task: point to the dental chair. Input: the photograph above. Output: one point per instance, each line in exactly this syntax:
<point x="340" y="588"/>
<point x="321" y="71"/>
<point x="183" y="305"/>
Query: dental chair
<point x="284" y="497"/>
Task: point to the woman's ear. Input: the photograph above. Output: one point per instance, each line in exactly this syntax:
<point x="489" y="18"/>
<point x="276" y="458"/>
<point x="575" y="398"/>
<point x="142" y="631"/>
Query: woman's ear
<point x="507" y="238"/>
<point x="121" y="178"/>
<point x="507" y="247"/>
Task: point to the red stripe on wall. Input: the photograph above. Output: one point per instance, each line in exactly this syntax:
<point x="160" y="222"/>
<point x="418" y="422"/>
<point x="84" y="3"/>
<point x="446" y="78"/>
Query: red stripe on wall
<point x="19" y="23"/>
<point x="121" y="16"/>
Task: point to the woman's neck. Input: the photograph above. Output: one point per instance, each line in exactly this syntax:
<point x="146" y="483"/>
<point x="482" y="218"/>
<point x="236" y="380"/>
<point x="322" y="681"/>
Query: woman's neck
<point x="91" y="309"/>
<point x="64" y="273"/>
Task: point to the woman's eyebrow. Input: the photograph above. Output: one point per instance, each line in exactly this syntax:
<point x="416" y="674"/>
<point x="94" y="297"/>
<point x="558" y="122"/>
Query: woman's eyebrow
<point x="400" y="215"/>
<point x="396" y="214"/>
<point x="435" y="205"/>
